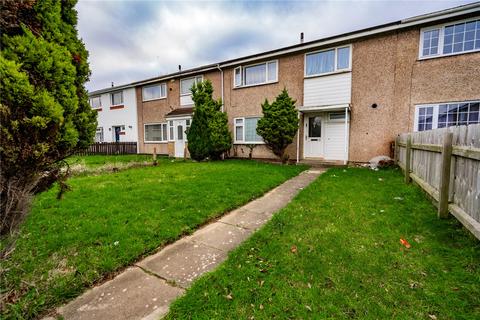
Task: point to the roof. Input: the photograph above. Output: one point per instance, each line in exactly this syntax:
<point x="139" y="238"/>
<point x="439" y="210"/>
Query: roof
<point x="436" y="16"/>
<point x="180" y="112"/>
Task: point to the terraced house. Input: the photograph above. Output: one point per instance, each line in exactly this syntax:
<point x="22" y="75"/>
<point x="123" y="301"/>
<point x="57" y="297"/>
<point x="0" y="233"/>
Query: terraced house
<point x="355" y="92"/>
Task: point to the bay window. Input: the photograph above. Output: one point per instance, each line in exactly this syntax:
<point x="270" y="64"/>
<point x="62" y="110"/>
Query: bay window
<point x="446" y="115"/>
<point x="246" y="131"/>
<point x="156" y="132"/>
<point x="450" y="39"/>
<point x="328" y="61"/>
<point x="154" y="92"/>
<point x="256" y="74"/>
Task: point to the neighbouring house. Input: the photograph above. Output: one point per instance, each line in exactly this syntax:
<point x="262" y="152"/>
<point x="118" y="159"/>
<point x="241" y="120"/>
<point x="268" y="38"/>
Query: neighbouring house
<point x="117" y="114"/>
<point x="355" y="92"/>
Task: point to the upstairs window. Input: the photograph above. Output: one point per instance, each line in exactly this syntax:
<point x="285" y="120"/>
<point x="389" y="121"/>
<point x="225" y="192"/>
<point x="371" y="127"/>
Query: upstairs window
<point x="187" y="84"/>
<point x="96" y="102"/>
<point x="256" y="74"/>
<point x="450" y="39"/>
<point x="154" y="92"/>
<point x="327" y="61"/>
<point x="117" y="98"/>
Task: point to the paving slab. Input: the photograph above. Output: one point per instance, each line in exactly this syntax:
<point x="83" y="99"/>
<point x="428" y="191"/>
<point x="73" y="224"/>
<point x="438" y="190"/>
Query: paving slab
<point x="133" y="294"/>
<point x="221" y="236"/>
<point x="246" y="219"/>
<point x="183" y="262"/>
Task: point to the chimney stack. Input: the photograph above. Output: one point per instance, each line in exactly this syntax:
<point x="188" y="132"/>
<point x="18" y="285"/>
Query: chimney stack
<point x="301" y="37"/>
<point x="179" y="67"/>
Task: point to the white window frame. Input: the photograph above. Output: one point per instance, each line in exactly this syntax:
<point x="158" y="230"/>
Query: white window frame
<point x="242" y="74"/>
<point x="441" y="29"/>
<point x="171" y="130"/>
<point x="195" y="82"/>
<point x="99" y="130"/>
<point x="111" y="98"/>
<point x="336" y="70"/>
<point x="163" y="84"/>
<point x="242" y="141"/>
<point x="436" y="107"/>
<point x="94" y="97"/>
<point x="155" y="123"/>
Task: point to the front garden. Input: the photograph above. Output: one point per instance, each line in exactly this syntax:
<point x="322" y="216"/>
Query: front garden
<point x="111" y="220"/>
<point x="355" y="244"/>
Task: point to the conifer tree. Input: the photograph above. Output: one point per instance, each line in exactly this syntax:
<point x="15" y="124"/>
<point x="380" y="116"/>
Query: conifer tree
<point x="208" y="136"/>
<point x="279" y="124"/>
<point x="44" y="111"/>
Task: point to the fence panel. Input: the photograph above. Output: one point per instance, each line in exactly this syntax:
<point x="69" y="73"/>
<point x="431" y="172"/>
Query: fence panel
<point x="110" y="148"/>
<point x="426" y="169"/>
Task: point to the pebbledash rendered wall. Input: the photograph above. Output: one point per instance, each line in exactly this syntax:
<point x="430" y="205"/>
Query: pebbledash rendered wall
<point x="247" y="101"/>
<point x="387" y="71"/>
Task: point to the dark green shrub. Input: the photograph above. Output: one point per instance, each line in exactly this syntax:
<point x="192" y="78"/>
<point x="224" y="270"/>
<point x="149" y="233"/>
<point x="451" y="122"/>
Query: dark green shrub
<point x="208" y="136"/>
<point x="279" y="124"/>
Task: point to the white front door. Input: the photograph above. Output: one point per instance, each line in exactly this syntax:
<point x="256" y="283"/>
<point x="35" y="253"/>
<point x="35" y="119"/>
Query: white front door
<point x="179" y="127"/>
<point x="313" y="130"/>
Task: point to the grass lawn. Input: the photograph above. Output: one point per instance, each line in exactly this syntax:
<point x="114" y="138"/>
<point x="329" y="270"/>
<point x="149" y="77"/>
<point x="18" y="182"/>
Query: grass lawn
<point x="95" y="161"/>
<point x="109" y="221"/>
<point x="335" y="253"/>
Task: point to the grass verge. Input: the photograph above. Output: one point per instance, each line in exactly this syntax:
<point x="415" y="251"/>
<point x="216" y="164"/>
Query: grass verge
<point x="335" y="253"/>
<point x="109" y="221"/>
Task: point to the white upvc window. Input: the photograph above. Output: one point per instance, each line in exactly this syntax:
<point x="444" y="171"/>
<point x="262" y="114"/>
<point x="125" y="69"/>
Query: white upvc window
<point x="154" y="92"/>
<point x="96" y="102"/>
<point x="246" y="131"/>
<point x="256" y="74"/>
<point x="155" y="132"/>
<point x="187" y="84"/>
<point x="328" y="61"/>
<point x="450" y="39"/>
<point x="442" y="115"/>
<point x="171" y="137"/>
<point x="99" y="134"/>
<point x="116" y="98"/>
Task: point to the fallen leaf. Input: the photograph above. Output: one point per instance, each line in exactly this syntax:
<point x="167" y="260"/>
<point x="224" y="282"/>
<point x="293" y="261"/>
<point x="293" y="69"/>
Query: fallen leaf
<point x="261" y="307"/>
<point x="432" y="316"/>
<point x="308" y="307"/>
<point x="405" y="243"/>
<point x="229" y="297"/>
<point x="261" y="283"/>
<point x="293" y="249"/>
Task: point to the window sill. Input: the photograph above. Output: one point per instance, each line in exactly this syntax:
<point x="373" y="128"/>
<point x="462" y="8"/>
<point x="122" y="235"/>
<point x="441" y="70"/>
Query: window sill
<point x="448" y="55"/>
<point x="119" y="106"/>
<point x="255" y="85"/>
<point x="97" y="109"/>
<point x="162" y="98"/>
<point x="155" y="142"/>
<point x="327" y="74"/>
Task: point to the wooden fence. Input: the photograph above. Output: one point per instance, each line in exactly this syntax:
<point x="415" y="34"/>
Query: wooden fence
<point x="110" y="148"/>
<point x="445" y="163"/>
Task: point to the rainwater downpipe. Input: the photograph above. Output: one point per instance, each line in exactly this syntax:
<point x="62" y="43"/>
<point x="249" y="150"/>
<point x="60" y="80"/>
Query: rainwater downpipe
<point x="221" y="81"/>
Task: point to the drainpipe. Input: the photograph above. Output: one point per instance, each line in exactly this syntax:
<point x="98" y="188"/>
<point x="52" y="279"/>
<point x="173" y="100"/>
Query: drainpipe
<point x="298" y="137"/>
<point x="221" y="74"/>
<point x="346" y="136"/>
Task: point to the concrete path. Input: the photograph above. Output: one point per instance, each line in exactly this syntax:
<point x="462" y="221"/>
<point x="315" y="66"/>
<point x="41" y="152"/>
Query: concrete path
<point x="145" y="290"/>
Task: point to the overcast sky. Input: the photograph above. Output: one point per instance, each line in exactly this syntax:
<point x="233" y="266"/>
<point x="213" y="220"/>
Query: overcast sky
<point x="134" y="40"/>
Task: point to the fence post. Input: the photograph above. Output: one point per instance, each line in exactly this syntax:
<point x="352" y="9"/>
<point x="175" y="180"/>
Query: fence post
<point x="408" y="156"/>
<point x="443" y="191"/>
